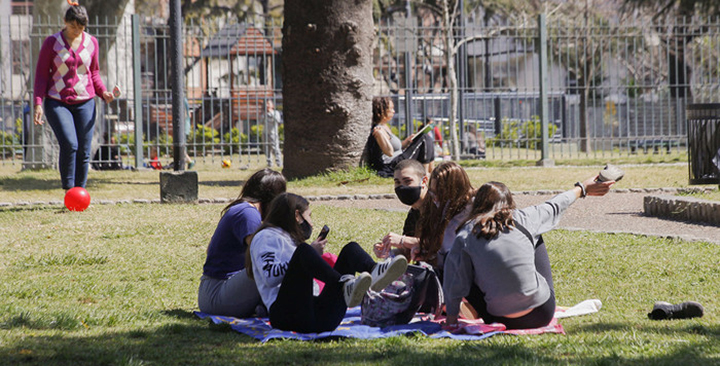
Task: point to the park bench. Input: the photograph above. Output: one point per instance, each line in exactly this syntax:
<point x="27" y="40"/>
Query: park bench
<point x="654" y="144"/>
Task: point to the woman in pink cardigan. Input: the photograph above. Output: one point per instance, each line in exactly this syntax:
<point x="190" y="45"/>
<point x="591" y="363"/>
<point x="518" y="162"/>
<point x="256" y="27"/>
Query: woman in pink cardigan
<point x="67" y="78"/>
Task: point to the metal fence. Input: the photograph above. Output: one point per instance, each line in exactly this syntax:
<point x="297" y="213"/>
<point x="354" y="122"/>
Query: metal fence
<point x="612" y="89"/>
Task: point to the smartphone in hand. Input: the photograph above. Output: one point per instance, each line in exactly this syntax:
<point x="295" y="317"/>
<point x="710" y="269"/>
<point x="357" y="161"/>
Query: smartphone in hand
<point x="323" y="233"/>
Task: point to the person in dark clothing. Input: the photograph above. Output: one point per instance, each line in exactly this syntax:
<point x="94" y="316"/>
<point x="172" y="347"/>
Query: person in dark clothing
<point x="107" y="157"/>
<point x="411" y="188"/>
<point x="385" y="150"/>
<point x="284" y="268"/>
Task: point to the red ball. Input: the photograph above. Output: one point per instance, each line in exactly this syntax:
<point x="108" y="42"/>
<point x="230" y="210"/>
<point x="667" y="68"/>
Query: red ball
<point x="77" y="199"/>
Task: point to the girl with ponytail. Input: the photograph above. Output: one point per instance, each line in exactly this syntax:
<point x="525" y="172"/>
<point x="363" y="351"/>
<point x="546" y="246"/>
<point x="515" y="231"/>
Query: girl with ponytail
<point x="498" y="261"/>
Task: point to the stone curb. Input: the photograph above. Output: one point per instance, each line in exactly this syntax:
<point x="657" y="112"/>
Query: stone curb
<point x="357" y="197"/>
<point x="683" y="209"/>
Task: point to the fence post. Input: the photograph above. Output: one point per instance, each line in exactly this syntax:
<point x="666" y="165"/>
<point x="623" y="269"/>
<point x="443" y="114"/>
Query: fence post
<point x="408" y="95"/>
<point x="176" y="66"/>
<point x="497" y="107"/>
<point x="137" y="91"/>
<point x="542" y="35"/>
<point x="564" y="115"/>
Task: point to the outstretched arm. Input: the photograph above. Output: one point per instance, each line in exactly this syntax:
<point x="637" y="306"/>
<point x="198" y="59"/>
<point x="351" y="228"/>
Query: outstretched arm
<point x="592" y="187"/>
<point x="546" y="216"/>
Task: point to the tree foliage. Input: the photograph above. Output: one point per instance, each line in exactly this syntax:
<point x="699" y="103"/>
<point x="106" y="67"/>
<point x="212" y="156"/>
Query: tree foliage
<point x="672" y="8"/>
<point x="197" y="11"/>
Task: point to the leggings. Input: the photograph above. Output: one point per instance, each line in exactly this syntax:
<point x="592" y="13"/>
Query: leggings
<point x="420" y="149"/>
<point x="539" y="316"/>
<point x="73" y="125"/>
<point x="296" y="309"/>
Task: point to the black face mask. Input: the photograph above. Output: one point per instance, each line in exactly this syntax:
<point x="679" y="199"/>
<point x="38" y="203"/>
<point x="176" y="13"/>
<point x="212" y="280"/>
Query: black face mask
<point x="408" y="194"/>
<point x="306" y="229"/>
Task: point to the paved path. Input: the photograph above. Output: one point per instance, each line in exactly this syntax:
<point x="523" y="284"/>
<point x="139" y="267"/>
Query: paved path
<point x="616" y="212"/>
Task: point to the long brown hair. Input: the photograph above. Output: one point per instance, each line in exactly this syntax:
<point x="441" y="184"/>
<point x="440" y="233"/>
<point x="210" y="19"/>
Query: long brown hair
<point x="492" y="210"/>
<point x="263" y="186"/>
<point x="281" y="215"/>
<point x="453" y="190"/>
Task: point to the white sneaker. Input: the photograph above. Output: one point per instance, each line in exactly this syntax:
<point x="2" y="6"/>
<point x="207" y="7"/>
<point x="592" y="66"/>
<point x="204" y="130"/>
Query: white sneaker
<point x="611" y="172"/>
<point x="354" y="288"/>
<point x="387" y="271"/>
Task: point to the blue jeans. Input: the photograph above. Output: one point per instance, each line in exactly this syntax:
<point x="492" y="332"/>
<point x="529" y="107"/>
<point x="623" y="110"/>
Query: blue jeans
<point x="73" y="126"/>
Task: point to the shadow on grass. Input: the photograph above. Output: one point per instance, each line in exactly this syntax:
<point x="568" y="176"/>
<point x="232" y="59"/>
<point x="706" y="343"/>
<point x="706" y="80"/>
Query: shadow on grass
<point x="677" y="327"/>
<point x="59" y="209"/>
<point x="195" y="343"/>
<point x="209" y="183"/>
<point x="96" y="182"/>
<point x="15" y="184"/>
<point x="179" y="314"/>
<point x="191" y="341"/>
<point x="222" y="183"/>
<point x="30" y="184"/>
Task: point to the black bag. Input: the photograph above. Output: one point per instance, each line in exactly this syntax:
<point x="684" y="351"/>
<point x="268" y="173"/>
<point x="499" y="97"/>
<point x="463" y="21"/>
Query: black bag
<point x="418" y="289"/>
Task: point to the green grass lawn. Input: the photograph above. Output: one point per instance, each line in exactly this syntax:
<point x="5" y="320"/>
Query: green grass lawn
<point x="44" y="186"/>
<point x="116" y="285"/>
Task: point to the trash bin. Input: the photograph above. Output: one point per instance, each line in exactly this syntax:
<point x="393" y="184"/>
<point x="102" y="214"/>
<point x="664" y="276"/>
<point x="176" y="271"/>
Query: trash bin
<point x="703" y="126"/>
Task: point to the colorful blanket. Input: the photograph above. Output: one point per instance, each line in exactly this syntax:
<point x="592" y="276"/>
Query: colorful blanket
<point x="260" y="329"/>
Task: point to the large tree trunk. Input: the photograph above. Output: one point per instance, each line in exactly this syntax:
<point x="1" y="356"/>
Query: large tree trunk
<point x="327" y="84"/>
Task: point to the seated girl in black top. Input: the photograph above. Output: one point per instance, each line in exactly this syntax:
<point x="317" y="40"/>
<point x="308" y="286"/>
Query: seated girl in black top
<point x="385" y="150"/>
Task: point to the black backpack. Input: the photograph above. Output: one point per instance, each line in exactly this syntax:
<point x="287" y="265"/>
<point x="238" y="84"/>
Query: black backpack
<point x="417" y="290"/>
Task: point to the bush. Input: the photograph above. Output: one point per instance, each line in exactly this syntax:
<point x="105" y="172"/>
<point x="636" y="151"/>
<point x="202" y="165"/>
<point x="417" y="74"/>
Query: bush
<point x="127" y="143"/>
<point x="9" y="140"/>
<point x="231" y="141"/>
<point x="200" y="138"/>
<point x="257" y="132"/>
<point x="524" y="134"/>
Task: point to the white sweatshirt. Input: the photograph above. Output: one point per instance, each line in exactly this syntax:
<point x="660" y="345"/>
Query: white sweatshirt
<point x="271" y="250"/>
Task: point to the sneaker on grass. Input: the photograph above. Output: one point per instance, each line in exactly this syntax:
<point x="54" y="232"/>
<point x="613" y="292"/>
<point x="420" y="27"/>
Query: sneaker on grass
<point x="355" y="287"/>
<point x="387" y="271"/>
<point x="665" y="310"/>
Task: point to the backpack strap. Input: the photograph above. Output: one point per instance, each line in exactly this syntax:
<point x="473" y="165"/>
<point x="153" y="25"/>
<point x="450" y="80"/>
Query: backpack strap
<point x="527" y="233"/>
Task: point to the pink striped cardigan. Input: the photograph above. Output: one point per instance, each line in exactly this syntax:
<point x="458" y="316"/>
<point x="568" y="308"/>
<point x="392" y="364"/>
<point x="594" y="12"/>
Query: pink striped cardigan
<point x="69" y="76"/>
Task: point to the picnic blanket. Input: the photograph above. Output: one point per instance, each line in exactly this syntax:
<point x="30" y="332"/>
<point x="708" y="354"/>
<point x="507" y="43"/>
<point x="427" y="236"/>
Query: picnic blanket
<point x="260" y="329"/>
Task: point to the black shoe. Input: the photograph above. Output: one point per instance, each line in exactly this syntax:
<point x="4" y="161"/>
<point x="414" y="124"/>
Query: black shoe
<point x="665" y="310"/>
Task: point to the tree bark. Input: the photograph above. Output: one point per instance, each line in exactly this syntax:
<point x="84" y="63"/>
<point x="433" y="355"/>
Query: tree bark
<point x="452" y="79"/>
<point x="327" y="84"/>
